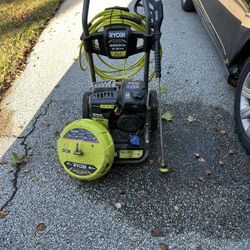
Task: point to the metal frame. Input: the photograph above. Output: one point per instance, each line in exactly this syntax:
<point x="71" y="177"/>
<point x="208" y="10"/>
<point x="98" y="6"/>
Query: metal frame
<point x="148" y="33"/>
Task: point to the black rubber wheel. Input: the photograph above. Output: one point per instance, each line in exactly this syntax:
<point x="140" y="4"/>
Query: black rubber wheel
<point x="85" y="104"/>
<point x="153" y="104"/>
<point x="242" y="106"/>
<point x="187" y="5"/>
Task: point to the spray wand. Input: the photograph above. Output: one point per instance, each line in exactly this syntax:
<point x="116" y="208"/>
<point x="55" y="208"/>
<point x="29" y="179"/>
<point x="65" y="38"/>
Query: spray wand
<point x="158" y="18"/>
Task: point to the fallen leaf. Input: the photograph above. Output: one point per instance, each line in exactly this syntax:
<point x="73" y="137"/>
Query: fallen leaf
<point x="145" y="194"/>
<point x="3" y="213"/>
<point x="222" y="94"/>
<point x="223" y="131"/>
<point x="151" y="162"/>
<point x="40" y="226"/>
<point x="24" y="170"/>
<point x="191" y="119"/>
<point x="33" y="178"/>
<point x="18" y="160"/>
<point x="137" y="242"/>
<point x="200" y="178"/>
<point x="201" y="159"/>
<point x="208" y="173"/>
<point x="3" y="162"/>
<point x="157" y="232"/>
<point x="198" y="247"/>
<point x="177" y="208"/>
<point x="47" y="125"/>
<point x="163" y="90"/>
<point x="167" y="116"/>
<point x="23" y="160"/>
<point x="197" y="156"/>
<point x="118" y="205"/>
<point x="167" y="188"/>
<point x="163" y="246"/>
<point x="231" y="151"/>
<point x="222" y="163"/>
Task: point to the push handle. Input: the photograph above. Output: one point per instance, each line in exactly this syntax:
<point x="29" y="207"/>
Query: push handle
<point x="85" y="13"/>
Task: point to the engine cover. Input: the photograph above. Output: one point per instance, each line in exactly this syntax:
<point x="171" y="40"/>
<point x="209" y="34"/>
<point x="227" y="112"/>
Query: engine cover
<point x="132" y="96"/>
<point x="119" y="105"/>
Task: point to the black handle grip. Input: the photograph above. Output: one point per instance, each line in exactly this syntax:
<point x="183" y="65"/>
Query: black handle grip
<point x="157" y="58"/>
<point x="157" y="18"/>
<point x="118" y="8"/>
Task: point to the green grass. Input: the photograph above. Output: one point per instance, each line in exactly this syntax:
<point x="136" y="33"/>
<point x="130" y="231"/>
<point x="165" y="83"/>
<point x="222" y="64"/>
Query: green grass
<point x="21" y="22"/>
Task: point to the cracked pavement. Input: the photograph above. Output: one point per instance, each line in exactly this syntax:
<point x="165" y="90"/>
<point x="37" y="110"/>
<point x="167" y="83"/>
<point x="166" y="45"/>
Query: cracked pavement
<point x="214" y="210"/>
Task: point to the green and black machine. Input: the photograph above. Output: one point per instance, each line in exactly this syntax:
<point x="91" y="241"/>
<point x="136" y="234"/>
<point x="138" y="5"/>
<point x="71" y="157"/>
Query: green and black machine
<point x="119" y="113"/>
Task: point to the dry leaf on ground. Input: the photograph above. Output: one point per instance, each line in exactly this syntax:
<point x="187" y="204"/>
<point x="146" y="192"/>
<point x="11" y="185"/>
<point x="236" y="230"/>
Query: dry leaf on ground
<point x="33" y="178"/>
<point x="118" y="205"/>
<point x="163" y="90"/>
<point x="163" y="246"/>
<point x="137" y="242"/>
<point x="167" y="116"/>
<point x="157" y="232"/>
<point x="222" y="163"/>
<point x="145" y="195"/>
<point x="191" y="119"/>
<point x="3" y="162"/>
<point x="198" y="247"/>
<point x="167" y="188"/>
<point x="40" y="226"/>
<point x="177" y="208"/>
<point x="200" y="158"/>
<point x="223" y="131"/>
<point x="151" y="162"/>
<point x="197" y="155"/>
<point x="25" y="171"/>
<point x="200" y="178"/>
<point x="3" y="213"/>
<point x="231" y="151"/>
<point x="208" y="173"/>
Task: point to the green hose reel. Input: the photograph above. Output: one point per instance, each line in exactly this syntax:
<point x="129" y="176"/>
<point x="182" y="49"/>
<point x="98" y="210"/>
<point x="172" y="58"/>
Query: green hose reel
<point x="86" y="149"/>
<point x="112" y="17"/>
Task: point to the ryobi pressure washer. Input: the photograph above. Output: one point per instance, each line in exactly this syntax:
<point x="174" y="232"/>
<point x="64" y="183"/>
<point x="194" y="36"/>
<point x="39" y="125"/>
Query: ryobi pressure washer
<point x="118" y="113"/>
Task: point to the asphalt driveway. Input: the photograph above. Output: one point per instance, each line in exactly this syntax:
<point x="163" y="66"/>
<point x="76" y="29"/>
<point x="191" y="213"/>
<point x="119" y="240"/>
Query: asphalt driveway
<point x="206" y="200"/>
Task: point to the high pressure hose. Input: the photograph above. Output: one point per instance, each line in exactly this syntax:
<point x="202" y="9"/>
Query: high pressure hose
<point x="115" y="16"/>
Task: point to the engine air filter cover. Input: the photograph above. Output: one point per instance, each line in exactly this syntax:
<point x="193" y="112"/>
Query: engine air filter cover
<point x="86" y="149"/>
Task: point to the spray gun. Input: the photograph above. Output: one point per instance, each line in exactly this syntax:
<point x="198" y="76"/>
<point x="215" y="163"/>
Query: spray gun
<point x="154" y="10"/>
<point x="157" y="13"/>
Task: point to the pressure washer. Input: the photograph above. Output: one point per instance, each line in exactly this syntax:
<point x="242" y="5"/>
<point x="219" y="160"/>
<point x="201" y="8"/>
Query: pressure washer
<point x="119" y="113"/>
